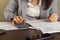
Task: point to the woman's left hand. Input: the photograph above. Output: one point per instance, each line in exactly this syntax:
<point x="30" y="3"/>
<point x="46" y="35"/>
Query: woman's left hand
<point x="53" y="17"/>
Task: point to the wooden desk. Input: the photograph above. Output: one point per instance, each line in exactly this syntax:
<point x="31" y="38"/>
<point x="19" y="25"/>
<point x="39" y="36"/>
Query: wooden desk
<point x="57" y="36"/>
<point x="20" y="35"/>
<point x="23" y="34"/>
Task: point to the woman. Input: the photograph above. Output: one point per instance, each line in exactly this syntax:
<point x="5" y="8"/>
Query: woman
<point x="30" y="10"/>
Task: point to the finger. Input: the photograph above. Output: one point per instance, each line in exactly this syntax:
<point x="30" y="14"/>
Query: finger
<point x="13" y="23"/>
<point x="22" y="20"/>
<point x="50" y="19"/>
<point x="53" y="19"/>
<point x="18" y="19"/>
<point x="54" y="15"/>
<point x="51" y="16"/>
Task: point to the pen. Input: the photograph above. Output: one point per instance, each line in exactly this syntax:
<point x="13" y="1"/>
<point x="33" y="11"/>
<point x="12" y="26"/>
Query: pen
<point x="51" y="11"/>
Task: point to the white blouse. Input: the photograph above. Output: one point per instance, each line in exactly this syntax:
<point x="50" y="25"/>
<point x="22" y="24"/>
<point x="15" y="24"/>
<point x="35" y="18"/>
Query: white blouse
<point x="33" y="11"/>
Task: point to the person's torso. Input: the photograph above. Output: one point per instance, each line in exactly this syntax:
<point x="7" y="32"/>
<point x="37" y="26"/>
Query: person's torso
<point x="22" y="8"/>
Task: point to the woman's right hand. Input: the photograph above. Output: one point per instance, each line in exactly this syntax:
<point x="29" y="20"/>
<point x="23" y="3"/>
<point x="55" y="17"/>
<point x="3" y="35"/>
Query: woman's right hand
<point x="53" y="17"/>
<point x="17" y="19"/>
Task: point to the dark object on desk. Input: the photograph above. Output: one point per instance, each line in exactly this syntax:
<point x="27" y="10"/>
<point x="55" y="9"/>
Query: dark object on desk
<point x="18" y="34"/>
<point x="21" y="25"/>
<point x="59" y="19"/>
<point x="46" y="37"/>
<point x="27" y="38"/>
<point x="2" y="32"/>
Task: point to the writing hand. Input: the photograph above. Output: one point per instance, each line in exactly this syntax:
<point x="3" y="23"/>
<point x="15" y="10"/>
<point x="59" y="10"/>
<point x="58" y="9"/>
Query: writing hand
<point x="53" y="17"/>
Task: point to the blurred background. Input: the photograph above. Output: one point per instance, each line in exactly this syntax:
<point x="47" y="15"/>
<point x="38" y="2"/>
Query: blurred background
<point x="3" y="4"/>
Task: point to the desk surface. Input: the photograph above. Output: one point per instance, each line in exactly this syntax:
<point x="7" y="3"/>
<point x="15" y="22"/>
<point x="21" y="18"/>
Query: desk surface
<point x="23" y="34"/>
<point x="20" y="34"/>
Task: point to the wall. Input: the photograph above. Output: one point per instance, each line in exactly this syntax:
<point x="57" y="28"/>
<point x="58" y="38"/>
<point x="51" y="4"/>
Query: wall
<point x="3" y="4"/>
<point x="59" y="6"/>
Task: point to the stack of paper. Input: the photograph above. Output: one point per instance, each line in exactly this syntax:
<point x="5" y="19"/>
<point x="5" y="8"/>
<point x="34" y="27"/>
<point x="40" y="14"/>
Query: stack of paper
<point x="7" y="26"/>
<point x="45" y="26"/>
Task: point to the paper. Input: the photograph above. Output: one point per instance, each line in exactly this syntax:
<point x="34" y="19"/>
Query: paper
<point x="45" y="26"/>
<point x="7" y="26"/>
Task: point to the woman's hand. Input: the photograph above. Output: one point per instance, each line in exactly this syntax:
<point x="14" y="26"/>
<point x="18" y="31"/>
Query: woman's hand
<point x="53" y="17"/>
<point x="17" y="19"/>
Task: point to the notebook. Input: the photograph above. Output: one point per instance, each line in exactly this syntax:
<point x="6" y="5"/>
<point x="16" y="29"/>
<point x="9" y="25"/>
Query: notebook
<point x="45" y="26"/>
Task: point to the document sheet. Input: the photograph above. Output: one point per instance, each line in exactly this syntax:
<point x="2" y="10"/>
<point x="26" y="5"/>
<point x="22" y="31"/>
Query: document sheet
<point x="45" y="26"/>
<point x="7" y="26"/>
